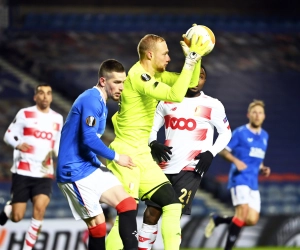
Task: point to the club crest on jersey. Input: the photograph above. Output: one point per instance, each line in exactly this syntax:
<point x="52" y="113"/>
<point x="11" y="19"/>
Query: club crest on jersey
<point x="145" y="77"/>
<point x="90" y="121"/>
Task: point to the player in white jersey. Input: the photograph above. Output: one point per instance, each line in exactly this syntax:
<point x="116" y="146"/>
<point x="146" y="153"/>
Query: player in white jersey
<point x="188" y="149"/>
<point x="34" y="134"/>
<point x="246" y="151"/>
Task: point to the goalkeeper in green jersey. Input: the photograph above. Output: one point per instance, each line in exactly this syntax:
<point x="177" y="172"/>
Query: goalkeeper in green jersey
<point x="147" y="83"/>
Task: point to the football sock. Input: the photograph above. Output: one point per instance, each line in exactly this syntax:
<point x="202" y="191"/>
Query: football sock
<point x="170" y="226"/>
<point x="113" y="240"/>
<point x="97" y="237"/>
<point x="147" y="236"/>
<point x="127" y="229"/>
<point x="32" y="234"/>
<point x="234" y="230"/>
<point x="222" y="219"/>
<point x="5" y="214"/>
<point x="96" y="243"/>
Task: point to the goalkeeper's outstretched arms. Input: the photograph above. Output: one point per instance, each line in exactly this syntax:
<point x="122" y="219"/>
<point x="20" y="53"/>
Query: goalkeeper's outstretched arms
<point x="166" y="86"/>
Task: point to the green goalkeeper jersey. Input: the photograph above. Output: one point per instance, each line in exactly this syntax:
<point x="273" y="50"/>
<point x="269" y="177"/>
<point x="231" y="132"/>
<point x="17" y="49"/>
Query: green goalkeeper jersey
<point x="134" y="120"/>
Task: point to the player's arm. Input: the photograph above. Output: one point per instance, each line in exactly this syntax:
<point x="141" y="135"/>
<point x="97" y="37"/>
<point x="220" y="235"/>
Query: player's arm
<point x="217" y="115"/>
<point x="197" y="69"/>
<point x="162" y="91"/>
<point x="221" y="123"/>
<point x="228" y="156"/>
<point x="90" y="117"/>
<point x="14" y="134"/>
<point x="170" y="78"/>
<point x="57" y="139"/>
<point x="159" y="151"/>
<point x="158" y="121"/>
<point x="175" y="93"/>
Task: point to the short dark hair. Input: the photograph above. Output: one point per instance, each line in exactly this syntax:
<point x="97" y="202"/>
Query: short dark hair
<point x="41" y="85"/>
<point x="110" y="65"/>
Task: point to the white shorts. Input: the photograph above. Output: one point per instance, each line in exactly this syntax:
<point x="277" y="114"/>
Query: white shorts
<point x="244" y="195"/>
<point x="84" y="195"/>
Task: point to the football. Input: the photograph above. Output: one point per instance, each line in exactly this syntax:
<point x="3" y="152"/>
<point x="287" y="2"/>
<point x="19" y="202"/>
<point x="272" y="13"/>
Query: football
<point x="203" y="31"/>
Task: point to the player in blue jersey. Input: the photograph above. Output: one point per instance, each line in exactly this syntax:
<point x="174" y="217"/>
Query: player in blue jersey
<point x="246" y="151"/>
<point x="81" y="176"/>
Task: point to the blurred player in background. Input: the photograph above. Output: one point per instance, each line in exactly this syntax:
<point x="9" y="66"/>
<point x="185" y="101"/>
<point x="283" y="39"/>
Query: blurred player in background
<point x="146" y="83"/>
<point x="34" y="134"/>
<point x="246" y="151"/>
<point x="188" y="150"/>
<point x="80" y="175"/>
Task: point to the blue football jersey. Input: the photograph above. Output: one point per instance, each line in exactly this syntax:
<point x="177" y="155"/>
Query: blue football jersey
<point x="80" y="141"/>
<point x="249" y="148"/>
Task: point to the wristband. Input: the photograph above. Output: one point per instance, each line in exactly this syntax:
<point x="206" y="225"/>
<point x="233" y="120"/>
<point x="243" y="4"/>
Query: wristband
<point x="117" y="157"/>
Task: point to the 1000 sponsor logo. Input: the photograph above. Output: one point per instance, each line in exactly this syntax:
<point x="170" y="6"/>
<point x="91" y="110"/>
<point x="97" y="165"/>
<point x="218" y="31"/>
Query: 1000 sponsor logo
<point x="180" y="123"/>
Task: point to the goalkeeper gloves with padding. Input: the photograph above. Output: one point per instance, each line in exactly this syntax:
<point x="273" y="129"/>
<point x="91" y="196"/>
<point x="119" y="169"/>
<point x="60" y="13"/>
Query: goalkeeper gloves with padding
<point x="160" y="152"/>
<point x="197" y="49"/>
<point x="204" y="162"/>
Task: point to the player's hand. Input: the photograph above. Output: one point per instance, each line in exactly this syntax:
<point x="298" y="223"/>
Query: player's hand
<point x="196" y="51"/>
<point x="240" y="165"/>
<point x="47" y="165"/>
<point x="184" y="46"/>
<point x="265" y="171"/>
<point x="23" y="147"/>
<point x="197" y="46"/>
<point x="160" y="152"/>
<point x="204" y="162"/>
<point x="126" y="161"/>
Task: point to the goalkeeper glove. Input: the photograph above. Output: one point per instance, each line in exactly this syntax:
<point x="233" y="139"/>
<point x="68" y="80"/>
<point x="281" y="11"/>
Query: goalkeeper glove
<point x="184" y="46"/>
<point x="204" y="162"/>
<point x="197" y="49"/>
<point x="159" y="151"/>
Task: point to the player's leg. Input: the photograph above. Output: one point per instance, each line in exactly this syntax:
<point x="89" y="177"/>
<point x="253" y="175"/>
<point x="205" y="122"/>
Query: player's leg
<point x="240" y="198"/>
<point x="130" y="180"/>
<point x="148" y="231"/>
<point x="185" y="184"/>
<point x="6" y="213"/>
<point x="214" y="221"/>
<point x="97" y="231"/>
<point x="126" y="209"/>
<point x="254" y="208"/>
<point x="154" y="185"/>
<point x="166" y="197"/>
<point x="41" y="190"/>
<point x="108" y="216"/>
<point x="83" y="197"/>
<point x="16" y="208"/>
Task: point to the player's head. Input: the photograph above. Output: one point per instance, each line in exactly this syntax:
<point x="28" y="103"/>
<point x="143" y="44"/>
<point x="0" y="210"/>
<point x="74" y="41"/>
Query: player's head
<point x="153" y="49"/>
<point x="193" y="92"/>
<point x="256" y="113"/>
<point x="111" y="77"/>
<point x="43" y="96"/>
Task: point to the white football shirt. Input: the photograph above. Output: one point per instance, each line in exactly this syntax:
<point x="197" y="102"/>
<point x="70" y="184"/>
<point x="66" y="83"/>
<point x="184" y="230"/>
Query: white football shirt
<point x="189" y="129"/>
<point x="42" y="132"/>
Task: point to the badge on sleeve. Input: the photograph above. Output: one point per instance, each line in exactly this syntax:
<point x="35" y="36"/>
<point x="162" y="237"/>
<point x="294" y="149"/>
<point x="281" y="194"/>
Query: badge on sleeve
<point x="145" y="77"/>
<point x="90" y="121"/>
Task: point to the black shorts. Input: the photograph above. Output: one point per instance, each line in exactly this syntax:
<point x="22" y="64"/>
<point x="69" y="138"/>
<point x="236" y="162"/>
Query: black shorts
<point x="185" y="184"/>
<point x="25" y="187"/>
